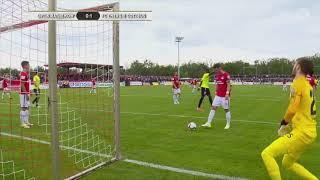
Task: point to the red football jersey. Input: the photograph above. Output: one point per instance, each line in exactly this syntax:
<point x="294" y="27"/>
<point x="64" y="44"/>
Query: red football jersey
<point x="222" y="80"/>
<point x="176" y="82"/>
<point x="5" y="83"/>
<point x="312" y="80"/>
<point x="24" y="80"/>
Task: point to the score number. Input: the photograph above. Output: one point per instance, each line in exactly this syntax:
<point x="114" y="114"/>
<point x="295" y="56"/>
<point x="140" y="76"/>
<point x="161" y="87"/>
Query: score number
<point x="88" y="16"/>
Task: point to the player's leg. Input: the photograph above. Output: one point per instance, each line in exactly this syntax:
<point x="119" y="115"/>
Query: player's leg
<point x="8" y="93"/>
<point x="178" y="98"/>
<point x="290" y="164"/>
<point x="292" y="146"/>
<point x="203" y="94"/>
<point x="275" y="149"/>
<point x="38" y="97"/>
<point x="226" y="107"/>
<point x="174" y="97"/>
<point x="3" y="92"/>
<point x="23" y="111"/>
<point x="27" y="120"/>
<point x="35" y="99"/>
<point x="216" y="103"/>
<point x="209" y="96"/>
<point x="178" y="95"/>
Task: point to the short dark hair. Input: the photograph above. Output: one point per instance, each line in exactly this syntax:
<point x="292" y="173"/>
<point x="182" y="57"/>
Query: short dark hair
<point x="24" y="63"/>
<point x="218" y="65"/>
<point x="306" y="65"/>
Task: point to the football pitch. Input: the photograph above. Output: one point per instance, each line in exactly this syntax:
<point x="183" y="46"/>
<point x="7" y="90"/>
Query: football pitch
<point x="154" y="130"/>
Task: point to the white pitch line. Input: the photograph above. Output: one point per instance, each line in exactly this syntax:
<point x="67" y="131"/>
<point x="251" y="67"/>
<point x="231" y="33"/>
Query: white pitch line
<point x="184" y="171"/>
<point x="197" y="117"/>
<point x="140" y="163"/>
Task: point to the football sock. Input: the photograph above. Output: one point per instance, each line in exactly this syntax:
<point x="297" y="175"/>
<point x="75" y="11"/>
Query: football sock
<point x="210" y="100"/>
<point x="174" y="98"/>
<point x="22" y="117"/>
<point x="38" y="99"/>
<point x="211" y="116"/>
<point x="2" y="95"/>
<point x="228" y="117"/>
<point x="35" y="100"/>
<point x="26" y="117"/>
<point x="200" y="101"/>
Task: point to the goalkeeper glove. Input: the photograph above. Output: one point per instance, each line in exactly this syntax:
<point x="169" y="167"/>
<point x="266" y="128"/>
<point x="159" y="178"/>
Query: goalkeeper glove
<point x="284" y="128"/>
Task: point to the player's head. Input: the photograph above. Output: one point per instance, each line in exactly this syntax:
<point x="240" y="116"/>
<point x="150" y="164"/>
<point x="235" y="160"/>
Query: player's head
<point x="303" y="66"/>
<point x="175" y="73"/>
<point x="25" y="65"/>
<point x="217" y="68"/>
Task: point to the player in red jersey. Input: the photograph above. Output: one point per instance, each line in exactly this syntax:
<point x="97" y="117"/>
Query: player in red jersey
<point x="284" y="85"/>
<point x="25" y="95"/>
<point x="93" y="86"/>
<point x="176" y="88"/>
<point x="194" y="83"/>
<point x="222" y="97"/>
<point x="5" y="86"/>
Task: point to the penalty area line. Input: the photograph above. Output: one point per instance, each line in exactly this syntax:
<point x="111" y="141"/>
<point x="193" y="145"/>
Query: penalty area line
<point x="136" y="162"/>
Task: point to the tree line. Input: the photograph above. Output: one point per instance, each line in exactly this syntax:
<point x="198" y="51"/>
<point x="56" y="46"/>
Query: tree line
<point x="191" y="69"/>
<point x="272" y="66"/>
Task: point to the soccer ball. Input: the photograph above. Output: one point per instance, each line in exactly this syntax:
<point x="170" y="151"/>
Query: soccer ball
<point x="192" y="126"/>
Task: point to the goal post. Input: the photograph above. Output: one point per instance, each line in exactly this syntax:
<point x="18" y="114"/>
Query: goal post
<point x="116" y="78"/>
<point x="53" y="100"/>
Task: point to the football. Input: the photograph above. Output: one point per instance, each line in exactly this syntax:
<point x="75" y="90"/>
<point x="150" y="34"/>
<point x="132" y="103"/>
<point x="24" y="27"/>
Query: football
<point x="192" y="126"/>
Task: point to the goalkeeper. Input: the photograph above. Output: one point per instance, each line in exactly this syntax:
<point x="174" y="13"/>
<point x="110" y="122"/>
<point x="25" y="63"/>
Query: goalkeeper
<point x="301" y="116"/>
<point x="36" y="89"/>
<point x="205" y="91"/>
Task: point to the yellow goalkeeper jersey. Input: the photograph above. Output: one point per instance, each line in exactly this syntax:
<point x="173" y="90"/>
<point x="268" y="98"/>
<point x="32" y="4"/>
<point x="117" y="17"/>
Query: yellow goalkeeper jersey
<point x="205" y="80"/>
<point x="302" y="107"/>
<point x="36" y="81"/>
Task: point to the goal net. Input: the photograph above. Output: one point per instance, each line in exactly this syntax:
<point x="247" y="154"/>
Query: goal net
<point x="85" y="93"/>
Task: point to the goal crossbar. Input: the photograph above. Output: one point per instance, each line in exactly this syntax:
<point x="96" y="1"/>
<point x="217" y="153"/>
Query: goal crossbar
<point x="106" y="7"/>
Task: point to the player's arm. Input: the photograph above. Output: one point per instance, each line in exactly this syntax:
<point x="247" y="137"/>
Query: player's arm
<point x="23" y="88"/>
<point x="293" y="105"/>
<point x="203" y="77"/>
<point x="292" y="109"/>
<point x="228" y="87"/>
<point x="200" y="83"/>
<point x="228" y="90"/>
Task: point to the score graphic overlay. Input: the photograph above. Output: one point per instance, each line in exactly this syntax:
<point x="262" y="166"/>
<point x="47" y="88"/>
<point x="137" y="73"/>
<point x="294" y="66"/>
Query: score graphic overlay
<point x="96" y="16"/>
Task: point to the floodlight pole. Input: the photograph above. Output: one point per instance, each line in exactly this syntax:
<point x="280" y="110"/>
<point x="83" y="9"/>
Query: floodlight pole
<point x="116" y="83"/>
<point x="178" y="40"/>
<point x="52" y="56"/>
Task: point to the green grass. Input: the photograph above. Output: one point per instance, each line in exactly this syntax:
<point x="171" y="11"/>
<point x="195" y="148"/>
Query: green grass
<point x="154" y="130"/>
